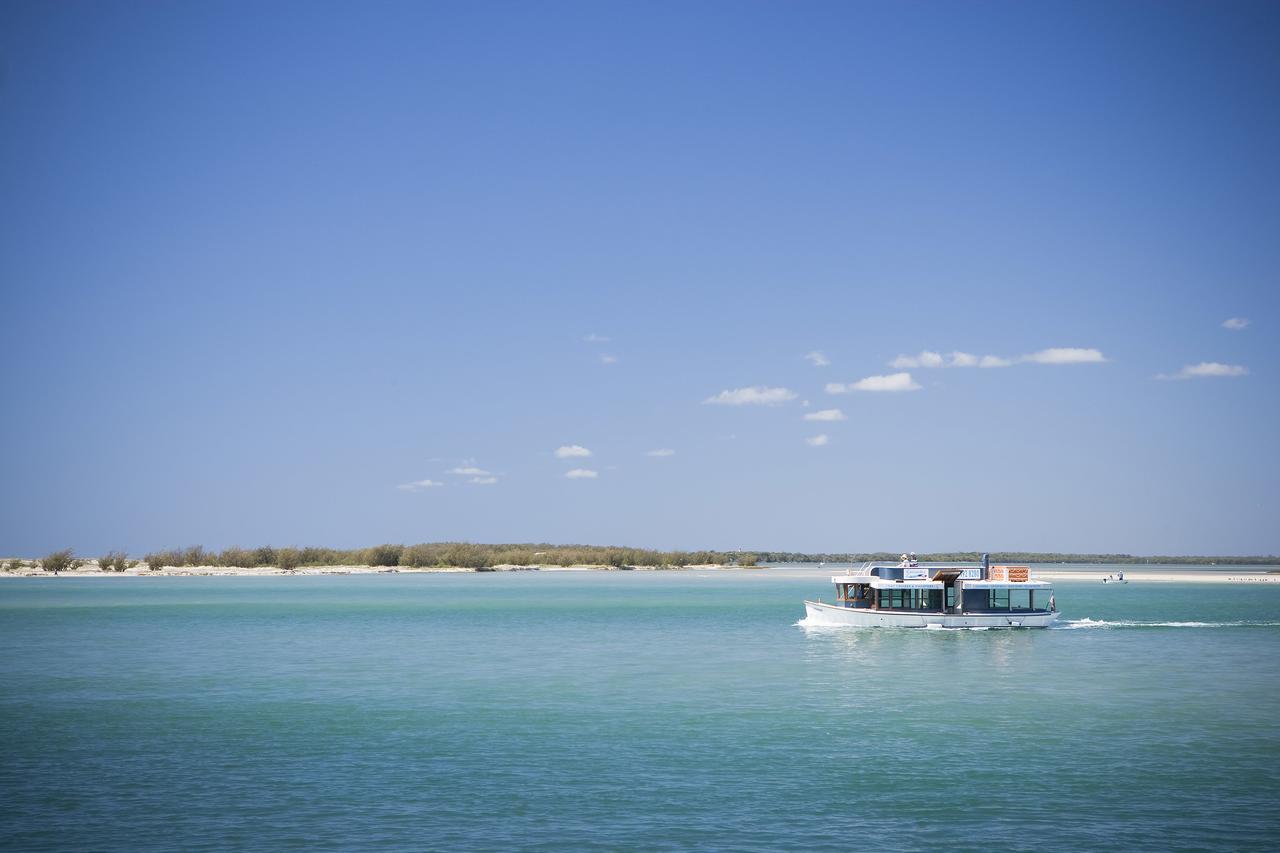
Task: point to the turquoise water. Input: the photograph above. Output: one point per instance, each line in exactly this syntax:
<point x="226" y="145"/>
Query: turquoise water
<point x="661" y="711"/>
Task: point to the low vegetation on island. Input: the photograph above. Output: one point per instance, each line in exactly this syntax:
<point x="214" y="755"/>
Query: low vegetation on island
<point x="468" y="555"/>
<point x="435" y="555"/>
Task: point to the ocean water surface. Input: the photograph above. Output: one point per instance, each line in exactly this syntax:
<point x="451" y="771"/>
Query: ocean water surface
<point x="626" y="710"/>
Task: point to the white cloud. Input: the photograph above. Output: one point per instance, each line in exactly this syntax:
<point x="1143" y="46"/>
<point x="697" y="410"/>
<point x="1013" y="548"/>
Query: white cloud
<point x="483" y="481"/>
<point x="892" y="382"/>
<point x="608" y="359"/>
<point x="1206" y="369"/>
<point x="662" y="451"/>
<point x="570" y="451"/>
<point x="418" y="485"/>
<point x="756" y="395"/>
<point x="469" y="471"/>
<point x="593" y="338"/>
<point x="818" y="440"/>
<point x="817" y="359"/>
<point x="928" y="358"/>
<point x="1235" y="324"/>
<point x="581" y="474"/>
<point x="826" y="415"/>
<point x="1065" y="355"/>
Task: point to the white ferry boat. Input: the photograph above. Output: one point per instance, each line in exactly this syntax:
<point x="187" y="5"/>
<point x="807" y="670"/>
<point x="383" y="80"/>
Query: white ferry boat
<point x="937" y="595"/>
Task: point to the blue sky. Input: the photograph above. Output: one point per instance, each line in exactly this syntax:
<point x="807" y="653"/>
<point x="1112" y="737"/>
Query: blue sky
<point x="266" y="266"/>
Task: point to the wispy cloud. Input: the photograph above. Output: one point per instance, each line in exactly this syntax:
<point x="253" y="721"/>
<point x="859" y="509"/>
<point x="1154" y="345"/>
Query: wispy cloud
<point x="1065" y="355"/>
<point x="582" y="474"/>
<point x="474" y="473"/>
<point x="608" y="359"/>
<point x="593" y="338"/>
<point x="419" y="485"/>
<point x="892" y="382"/>
<point x="756" y="395"/>
<point x="1206" y="369"/>
<point x="826" y="415"/>
<point x="570" y="451"/>
<point x="924" y="359"/>
<point x="818" y="440"/>
<point x="1235" y="324"/>
<point x="928" y="358"/>
<point x="817" y="359"/>
<point x="1054" y="355"/>
<point x="660" y="452"/>
<point x="964" y="359"/>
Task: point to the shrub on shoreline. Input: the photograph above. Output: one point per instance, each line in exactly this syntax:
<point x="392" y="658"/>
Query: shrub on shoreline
<point x="113" y="561"/>
<point x="383" y="555"/>
<point x="159" y="559"/>
<point x="59" y="561"/>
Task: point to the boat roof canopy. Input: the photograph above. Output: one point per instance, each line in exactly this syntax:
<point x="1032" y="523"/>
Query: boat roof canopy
<point x="887" y="583"/>
<point x="1006" y="584"/>
<point x="912" y="584"/>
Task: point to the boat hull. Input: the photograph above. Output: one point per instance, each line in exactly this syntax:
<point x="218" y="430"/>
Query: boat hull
<point x="819" y="614"/>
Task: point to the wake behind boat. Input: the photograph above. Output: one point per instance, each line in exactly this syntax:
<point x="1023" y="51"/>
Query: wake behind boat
<point x="937" y="595"/>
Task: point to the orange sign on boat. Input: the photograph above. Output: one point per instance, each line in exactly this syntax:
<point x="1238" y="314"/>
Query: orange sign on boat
<point x="1015" y="574"/>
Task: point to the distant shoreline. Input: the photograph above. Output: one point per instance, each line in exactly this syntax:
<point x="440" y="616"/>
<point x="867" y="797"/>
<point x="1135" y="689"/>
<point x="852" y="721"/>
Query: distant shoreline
<point x="1138" y="576"/>
<point x="1133" y="575"/>
<point x="272" y="571"/>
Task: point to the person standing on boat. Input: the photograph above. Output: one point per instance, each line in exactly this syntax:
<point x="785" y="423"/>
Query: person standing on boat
<point x="911" y="560"/>
<point x="905" y="562"/>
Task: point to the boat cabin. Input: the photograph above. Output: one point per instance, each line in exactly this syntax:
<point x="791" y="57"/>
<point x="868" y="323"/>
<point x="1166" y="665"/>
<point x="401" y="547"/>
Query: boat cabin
<point x="953" y="589"/>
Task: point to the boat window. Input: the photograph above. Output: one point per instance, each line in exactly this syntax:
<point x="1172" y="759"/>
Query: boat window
<point x="911" y="599"/>
<point x="1014" y="600"/>
<point x="1026" y="599"/>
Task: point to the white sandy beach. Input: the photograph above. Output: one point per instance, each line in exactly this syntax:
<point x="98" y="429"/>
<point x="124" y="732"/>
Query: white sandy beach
<point x="1139" y="576"/>
<point x="91" y="570"/>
